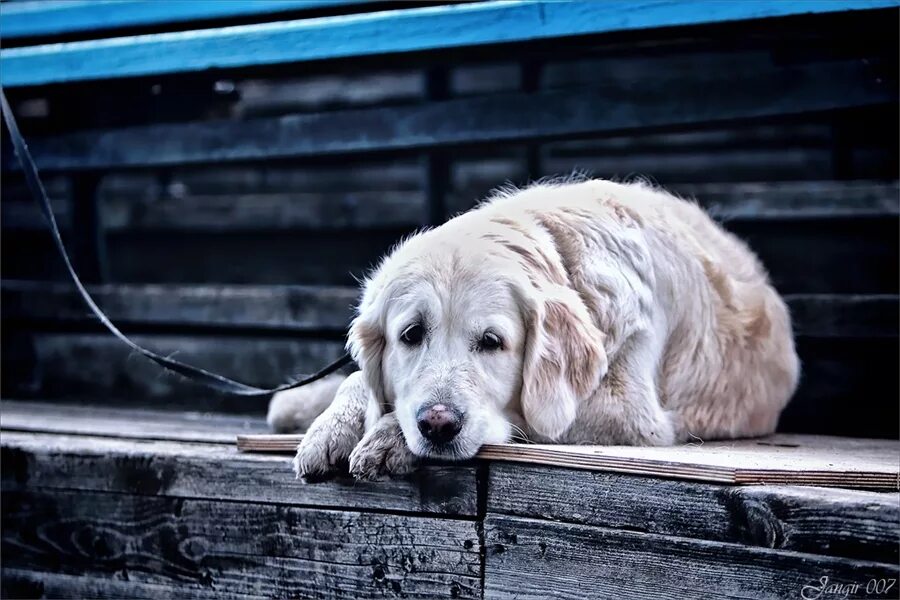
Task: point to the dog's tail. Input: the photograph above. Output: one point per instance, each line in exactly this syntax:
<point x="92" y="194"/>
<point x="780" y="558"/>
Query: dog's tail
<point x="294" y="410"/>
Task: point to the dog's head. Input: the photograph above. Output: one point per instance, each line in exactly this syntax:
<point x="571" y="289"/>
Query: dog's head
<point x="464" y="330"/>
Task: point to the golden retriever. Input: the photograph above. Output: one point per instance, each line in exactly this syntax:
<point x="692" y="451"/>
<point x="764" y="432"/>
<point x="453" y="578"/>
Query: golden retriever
<point x="571" y="312"/>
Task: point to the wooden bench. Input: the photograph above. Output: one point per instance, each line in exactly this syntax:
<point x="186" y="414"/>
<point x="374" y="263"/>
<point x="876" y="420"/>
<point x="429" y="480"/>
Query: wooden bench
<point x="223" y="170"/>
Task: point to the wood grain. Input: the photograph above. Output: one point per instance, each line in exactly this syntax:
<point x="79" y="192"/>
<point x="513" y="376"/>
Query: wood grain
<point x="528" y="558"/>
<point x="126" y="423"/>
<point x="20" y="583"/>
<point x="213" y="471"/>
<point x="777" y="459"/>
<point x="836" y="522"/>
<point x="296" y="552"/>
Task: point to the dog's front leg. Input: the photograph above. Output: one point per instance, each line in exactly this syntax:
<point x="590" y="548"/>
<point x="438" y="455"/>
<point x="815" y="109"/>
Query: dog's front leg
<point x="382" y="452"/>
<point x="327" y="445"/>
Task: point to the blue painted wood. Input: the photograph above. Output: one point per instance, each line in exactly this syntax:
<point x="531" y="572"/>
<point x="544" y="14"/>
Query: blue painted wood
<point x="54" y="17"/>
<point x="381" y="32"/>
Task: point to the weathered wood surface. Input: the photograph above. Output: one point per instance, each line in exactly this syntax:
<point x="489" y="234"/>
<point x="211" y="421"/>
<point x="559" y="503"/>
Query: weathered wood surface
<point x="330" y="308"/>
<point x="111" y="517"/>
<point x="776" y="459"/>
<point x="127" y="423"/>
<point x="527" y="558"/>
<point x="139" y="203"/>
<point x="847" y="388"/>
<point x="285" y="257"/>
<point x="473" y="120"/>
<point x="260" y="308"/>
<point x="837" y="522"/>
<point x="219" y="472"/>
<point x="19" y="583"/>
<point x="795" y="199"/>
<point x="430" y="28"/>
<point x="801" y="255"/>
<point x="67" y="365"/>
<point x="295" y="552"/>
<point x="844" y="316"/>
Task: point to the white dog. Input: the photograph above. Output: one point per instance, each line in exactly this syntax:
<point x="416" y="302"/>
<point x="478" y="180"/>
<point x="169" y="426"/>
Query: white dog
<point x="585" y="312"/>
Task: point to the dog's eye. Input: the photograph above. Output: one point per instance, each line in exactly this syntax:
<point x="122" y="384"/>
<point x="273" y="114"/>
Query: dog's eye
<point x="489" y="342"/>
<point x="412" y="335"/>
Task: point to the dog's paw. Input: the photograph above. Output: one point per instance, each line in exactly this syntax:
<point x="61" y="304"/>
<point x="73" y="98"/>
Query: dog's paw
<point x="382" y="452"/>
<point x="324" y="450"/>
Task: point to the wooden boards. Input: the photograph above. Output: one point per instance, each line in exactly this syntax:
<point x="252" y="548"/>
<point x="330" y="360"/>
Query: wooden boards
<point x="139" y="518"/>
<point x="106" y="506"/>
<point x="778" y="459"/>
<point x="534" y="559"/>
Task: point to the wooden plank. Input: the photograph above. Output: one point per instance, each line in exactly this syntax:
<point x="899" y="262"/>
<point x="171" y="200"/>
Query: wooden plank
<point x="131" y="423"/>
<point x="417" y="29"/>
<point x="801" y="254"/>
<point x="528" y="558"/>
<point x="651" y="102"/>
<point x="328" y="308"/>
<point x="849" y="523"/>
<point x="310" y="257"/>
<point x="279" y="308"/>
<point x="215" y="472"/>
<point x="20" y="583"/>
<point x="259" y="549"/>
<point x="772" y="460"/>
<point x="703" y="165"/>
<point x="796" y="199"/>
<point x="31" y="18"/>
<point x="842" y="316"/>
<point x="350" y="196"/>
<point x="72" y="365"/>
<point x="128" y="209"/>
<point x="282" y="211"/>
<point x="847" y="388"/>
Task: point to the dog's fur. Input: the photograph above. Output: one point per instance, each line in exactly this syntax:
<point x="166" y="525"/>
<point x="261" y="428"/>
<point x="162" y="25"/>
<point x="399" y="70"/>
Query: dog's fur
<point x="627" y="316"/>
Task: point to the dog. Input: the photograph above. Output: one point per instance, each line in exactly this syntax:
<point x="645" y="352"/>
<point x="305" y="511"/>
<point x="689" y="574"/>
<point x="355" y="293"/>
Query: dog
<point x="570" y="312"/>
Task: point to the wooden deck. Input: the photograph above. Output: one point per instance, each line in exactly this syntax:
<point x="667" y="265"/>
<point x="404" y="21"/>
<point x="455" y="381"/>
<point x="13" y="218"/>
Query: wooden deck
<point x="101" y="503"/>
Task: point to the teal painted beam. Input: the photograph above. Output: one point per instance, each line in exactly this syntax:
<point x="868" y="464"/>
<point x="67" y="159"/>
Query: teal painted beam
<point x="31" y="18"/>
<point x="404" y="30"/>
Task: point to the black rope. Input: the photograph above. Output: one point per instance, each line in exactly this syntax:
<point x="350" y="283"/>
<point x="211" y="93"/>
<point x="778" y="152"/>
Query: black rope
<point x="211" y="380"/>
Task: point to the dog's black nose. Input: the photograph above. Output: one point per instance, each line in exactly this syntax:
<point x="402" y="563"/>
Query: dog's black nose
<point x="439" y="423"/>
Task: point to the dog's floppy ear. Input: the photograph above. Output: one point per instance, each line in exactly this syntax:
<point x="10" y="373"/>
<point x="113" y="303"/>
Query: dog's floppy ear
<point x="564" y="359"/>
<point x="365" y="339"/>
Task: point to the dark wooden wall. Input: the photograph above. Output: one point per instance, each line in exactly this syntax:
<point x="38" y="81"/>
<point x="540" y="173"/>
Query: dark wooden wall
<point x="196" y="200"/>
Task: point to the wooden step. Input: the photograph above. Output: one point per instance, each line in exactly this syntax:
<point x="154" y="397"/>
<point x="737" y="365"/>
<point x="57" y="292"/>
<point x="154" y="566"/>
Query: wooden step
<point x="126" y="206"/>
<point x="111" y="512"/>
